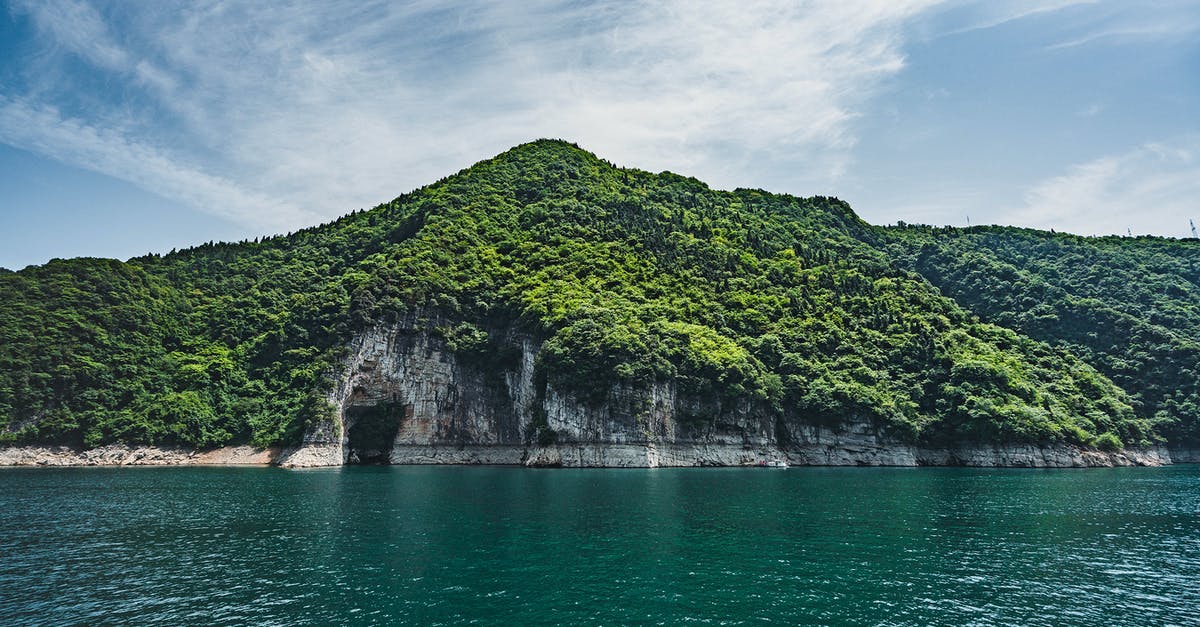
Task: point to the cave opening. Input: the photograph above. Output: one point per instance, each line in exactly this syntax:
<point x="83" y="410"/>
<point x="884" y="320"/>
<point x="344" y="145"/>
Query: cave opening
<point x="372" y="432"/>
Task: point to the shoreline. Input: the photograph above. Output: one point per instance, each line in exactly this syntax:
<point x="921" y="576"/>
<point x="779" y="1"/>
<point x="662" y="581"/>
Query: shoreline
<point x="45" y="456"/>
<point x="606" y="456"/>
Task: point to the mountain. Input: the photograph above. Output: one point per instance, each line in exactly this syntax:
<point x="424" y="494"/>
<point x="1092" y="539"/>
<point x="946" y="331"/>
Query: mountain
<point x="546" y="306"/>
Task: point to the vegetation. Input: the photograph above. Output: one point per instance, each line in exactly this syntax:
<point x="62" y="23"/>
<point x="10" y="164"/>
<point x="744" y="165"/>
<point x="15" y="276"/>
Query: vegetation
<point x="1128" y="306"/>
<point x="793" y="305"/>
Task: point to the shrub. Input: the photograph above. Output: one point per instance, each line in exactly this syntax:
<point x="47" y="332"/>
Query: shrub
<point x="1108" y="441"/>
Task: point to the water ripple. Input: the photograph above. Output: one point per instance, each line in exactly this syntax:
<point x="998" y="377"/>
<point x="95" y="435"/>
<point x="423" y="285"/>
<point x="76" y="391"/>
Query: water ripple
<point x="432" y="545"/>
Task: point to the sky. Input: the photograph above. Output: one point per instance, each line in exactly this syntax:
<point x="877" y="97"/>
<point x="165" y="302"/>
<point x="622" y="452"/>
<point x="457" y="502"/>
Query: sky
<point x="136" y="127"/>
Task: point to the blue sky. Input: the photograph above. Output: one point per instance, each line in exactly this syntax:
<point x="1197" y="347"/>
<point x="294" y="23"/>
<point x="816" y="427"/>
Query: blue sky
<point x="133" y="127"/>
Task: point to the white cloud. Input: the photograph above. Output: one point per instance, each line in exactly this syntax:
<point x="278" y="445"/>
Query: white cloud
<point x="1151" y="190"/>
<point x="45" y="131"/>
<point x="277" y="115"/>
<point x="318" y="108"/>
<point x="76" y="26"/>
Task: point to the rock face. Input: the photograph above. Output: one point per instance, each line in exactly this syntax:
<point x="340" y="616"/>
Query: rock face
<point x="406" y="397"/>
<point x="1185" y="455"/>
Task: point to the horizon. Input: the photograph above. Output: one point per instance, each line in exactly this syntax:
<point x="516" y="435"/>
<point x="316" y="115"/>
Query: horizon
<point x="127" y="130"/>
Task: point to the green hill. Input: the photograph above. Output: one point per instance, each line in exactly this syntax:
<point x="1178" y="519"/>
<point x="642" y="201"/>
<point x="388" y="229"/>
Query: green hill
<point x="1130" y="307"/>
<point x="793" y="306"/>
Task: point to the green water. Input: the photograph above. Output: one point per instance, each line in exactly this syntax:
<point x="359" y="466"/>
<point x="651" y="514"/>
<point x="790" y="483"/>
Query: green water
<point x="434" y="545"/>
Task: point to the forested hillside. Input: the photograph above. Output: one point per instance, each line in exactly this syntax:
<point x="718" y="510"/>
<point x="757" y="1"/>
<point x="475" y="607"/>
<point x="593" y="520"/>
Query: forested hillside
<point x="1128" y="306"/>
<point x="626" y="277"/>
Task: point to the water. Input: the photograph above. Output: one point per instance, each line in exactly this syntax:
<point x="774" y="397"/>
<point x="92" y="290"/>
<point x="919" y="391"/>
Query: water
<point x="433" y="545"/>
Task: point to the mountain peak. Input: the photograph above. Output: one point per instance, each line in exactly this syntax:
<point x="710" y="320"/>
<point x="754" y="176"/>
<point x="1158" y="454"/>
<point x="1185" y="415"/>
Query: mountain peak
<point x="545" y="146"/>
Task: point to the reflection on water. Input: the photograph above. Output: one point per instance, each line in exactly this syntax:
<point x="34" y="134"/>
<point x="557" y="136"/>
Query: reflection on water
<point x="509" y="545"/>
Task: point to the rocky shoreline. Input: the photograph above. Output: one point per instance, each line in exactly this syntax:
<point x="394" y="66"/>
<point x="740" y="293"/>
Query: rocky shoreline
<point x="124" y="455"/>
<point x="607" y="456"/>
<point x="662" y="455"/>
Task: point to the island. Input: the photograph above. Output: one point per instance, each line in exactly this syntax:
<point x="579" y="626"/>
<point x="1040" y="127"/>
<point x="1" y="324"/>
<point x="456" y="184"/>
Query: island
<point x="548" y="308"/>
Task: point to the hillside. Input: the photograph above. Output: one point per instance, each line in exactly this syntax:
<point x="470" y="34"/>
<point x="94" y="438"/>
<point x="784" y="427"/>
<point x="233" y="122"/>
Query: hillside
<point x="1128" y="306"/>
<point x="759" y="312"/>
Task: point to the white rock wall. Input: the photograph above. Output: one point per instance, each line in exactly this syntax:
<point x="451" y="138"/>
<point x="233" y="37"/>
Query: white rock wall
<point x="456" y="411"/>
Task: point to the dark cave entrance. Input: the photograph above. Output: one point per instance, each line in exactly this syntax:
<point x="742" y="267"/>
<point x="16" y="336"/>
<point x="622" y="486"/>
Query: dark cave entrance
<point x="372" y="432"/>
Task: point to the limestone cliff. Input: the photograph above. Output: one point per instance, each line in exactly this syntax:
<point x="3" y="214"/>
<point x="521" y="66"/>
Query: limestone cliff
<point x="406" y="396"/>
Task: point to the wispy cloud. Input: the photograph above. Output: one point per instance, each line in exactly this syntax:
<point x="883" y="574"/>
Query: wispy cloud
<point x="1089" y="21"/>
<point x="977" y="15"/>
<point x="279" y="114"/>
<point x="45" y="131"/>
<point x="1151" y="189"/>
<point x="1124" y="23"/>
<point x="77" y="27"/>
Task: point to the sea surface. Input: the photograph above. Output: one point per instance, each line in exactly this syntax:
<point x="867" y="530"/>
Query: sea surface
<point x="492" y="545"/>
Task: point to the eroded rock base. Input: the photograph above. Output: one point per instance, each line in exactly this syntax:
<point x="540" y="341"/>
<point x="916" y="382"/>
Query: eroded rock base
<point x="607" y="456"/>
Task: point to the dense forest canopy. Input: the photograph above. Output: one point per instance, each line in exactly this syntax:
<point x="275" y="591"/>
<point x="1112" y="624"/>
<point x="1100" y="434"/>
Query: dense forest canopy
<point x="1130" y="307"/>
<point x="626" y="277"/>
